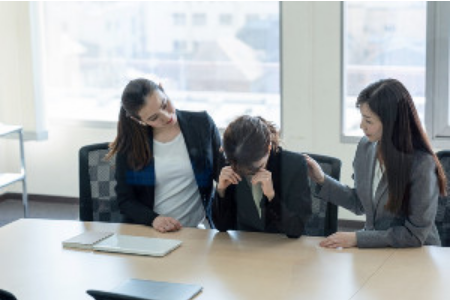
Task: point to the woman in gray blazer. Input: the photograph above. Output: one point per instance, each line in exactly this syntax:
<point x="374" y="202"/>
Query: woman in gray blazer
<point x="397" y="176"/>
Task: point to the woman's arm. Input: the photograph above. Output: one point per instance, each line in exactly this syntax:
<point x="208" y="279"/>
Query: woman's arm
<point x="339" y="194"/>
<point x="126" y="196"/>
<point x="224" y="210"/>
<point x="218" y="157"/>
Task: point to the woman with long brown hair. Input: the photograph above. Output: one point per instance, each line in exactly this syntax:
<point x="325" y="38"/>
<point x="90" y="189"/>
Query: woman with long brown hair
<point x="166" y="159"/>
<point x="264" y="187"/>
<point x="397" y="176"/>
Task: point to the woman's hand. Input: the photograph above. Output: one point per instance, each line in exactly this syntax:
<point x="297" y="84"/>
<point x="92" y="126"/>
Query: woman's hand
<point x="166" y="224"/>
<point x="227" y="176"/>
<point x="315" y="172"/>
<point x="265" y="178"/>
<point x="340" y="239"/>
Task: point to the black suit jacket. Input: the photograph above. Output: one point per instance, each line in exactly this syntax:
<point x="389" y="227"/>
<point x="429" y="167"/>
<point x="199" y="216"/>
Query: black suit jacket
<point x="136" y="189"/>
<point x="288" y="211"/>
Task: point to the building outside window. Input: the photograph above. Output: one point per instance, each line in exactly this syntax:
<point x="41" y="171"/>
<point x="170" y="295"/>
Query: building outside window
<point x="93" y="49"/>
<point x="382" y="40"/>
<point x="179" y="19"/>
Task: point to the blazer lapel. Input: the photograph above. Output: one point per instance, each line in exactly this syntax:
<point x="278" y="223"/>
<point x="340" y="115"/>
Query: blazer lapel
<point x="193" y="143"/>
<point x="368" y="182"/>
<point x="246" y="206"/>
<point x="379" y="195"/>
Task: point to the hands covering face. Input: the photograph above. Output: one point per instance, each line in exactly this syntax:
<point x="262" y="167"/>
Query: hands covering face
<point x="229" y="176"/>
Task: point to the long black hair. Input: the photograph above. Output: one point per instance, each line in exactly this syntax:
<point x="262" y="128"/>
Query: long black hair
<point x="402" y="136"/>
<point x="132" y="137"/>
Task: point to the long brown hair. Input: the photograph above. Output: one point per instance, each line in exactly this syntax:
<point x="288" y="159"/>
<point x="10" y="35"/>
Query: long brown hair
<point x="132" y="138"/>
<point x="246" y="140"/>
<point x="402" y="136"/>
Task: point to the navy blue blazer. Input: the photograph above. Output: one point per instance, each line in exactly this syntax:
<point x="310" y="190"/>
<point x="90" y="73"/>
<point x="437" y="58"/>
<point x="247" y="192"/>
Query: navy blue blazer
<point x="136" y="189"/>
<point x="288" y="211"/>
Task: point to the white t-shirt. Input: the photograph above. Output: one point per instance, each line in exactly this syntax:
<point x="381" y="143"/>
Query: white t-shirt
<point x="176" y="191"/>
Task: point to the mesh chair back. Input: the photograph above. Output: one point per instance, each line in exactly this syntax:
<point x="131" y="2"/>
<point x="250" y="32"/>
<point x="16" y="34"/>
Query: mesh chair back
<point x="323" y="221"/>
<point x="5" y="295"/>
<point x="98" y="201"/>
<point x="443" y="214"/>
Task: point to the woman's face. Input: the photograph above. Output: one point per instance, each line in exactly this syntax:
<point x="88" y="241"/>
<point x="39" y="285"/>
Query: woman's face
<point x="370" y="123"/>
<point x="255" y="167"/>
<point x="158" y="111"/>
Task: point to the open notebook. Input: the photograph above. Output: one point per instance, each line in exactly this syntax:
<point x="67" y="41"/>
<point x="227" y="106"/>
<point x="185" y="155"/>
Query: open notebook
<point x="137" y="289"/>
<point x="110" y="242"/>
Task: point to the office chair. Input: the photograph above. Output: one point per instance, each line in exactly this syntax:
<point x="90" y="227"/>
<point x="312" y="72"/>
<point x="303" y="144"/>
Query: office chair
<point x="98" y="201"/>
<point x="443" y="214"/>
<point x="5" y="295"/>
<point x="323" y="220"/>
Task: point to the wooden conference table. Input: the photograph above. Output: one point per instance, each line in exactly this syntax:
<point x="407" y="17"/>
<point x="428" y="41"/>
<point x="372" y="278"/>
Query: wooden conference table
<point x="233" y="265"/>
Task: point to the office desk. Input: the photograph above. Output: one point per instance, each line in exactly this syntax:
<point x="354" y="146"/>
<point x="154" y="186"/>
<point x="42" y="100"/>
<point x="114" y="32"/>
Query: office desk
<point x="234" y="265"/>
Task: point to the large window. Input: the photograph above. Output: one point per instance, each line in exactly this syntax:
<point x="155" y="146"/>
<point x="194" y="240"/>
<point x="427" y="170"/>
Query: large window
<point x="438" y="72"/>
<point x="382" y="40"/>
<point x="222" y="57"/>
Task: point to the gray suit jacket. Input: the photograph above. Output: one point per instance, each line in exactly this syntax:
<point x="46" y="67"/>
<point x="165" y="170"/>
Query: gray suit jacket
<point x="382" y="228"/>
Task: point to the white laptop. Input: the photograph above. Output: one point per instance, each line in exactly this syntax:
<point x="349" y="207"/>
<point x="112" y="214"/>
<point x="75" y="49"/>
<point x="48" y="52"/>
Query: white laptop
<point x="137" y="245"/>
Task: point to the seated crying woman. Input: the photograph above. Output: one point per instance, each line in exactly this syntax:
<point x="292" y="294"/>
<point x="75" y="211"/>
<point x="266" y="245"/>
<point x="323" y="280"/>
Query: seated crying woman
<point x="264" y="188"/>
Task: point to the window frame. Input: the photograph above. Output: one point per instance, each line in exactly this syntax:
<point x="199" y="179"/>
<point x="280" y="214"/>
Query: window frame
<point x="437" y="73"/>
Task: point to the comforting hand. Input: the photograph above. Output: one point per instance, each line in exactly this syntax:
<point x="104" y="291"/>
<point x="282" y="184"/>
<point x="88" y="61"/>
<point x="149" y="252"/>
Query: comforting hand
<point x="227" y="176"/>
<point x="166" y="224"/>
<point x="315" y="172"/>
<point x="340" y="239"/>
<point x="265" y="178"/>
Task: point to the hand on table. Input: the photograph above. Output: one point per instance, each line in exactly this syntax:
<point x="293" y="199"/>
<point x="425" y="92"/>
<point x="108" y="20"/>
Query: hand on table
<point x="340" y="239"/>
<point x="166" y="224"/>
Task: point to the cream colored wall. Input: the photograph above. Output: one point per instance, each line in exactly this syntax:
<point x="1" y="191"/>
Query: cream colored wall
<point x="310" y="108"/>
<point x="311" y="83"/>
<point x="17" y="90"/>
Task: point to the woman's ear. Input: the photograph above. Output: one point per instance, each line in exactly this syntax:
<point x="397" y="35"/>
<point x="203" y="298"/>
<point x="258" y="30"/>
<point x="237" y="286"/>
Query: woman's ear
<point x="270" y="146"/>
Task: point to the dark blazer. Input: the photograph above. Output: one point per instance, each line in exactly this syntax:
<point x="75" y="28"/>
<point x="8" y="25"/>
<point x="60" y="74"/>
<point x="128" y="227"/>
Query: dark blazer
<point x="288" y="211"/>
<point x="136" y="189"/>
<point x="383" y="228"/>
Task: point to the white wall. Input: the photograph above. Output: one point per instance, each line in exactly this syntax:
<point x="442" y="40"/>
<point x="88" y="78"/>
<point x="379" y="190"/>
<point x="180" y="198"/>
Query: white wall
<point x="310" y="109"/>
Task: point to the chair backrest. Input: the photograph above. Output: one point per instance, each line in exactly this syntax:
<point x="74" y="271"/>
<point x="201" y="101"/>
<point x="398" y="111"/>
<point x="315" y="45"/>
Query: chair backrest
<point x="443" y="214"/>
<point x="98" y="201"/>
<point x="5" y="295"/>
<point x="323" y="221"/>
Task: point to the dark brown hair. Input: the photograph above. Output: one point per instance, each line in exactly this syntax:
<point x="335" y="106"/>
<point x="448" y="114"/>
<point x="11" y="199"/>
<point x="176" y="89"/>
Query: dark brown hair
<point x="402" y="136"/>
<point x="132" y="138"/>
<point x="246" y="140"/>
